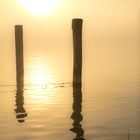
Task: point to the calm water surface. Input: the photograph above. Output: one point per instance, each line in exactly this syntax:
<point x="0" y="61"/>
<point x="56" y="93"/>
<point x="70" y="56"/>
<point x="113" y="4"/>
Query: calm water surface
<point x="104" y="112"/>
<point x="107" y="107"/>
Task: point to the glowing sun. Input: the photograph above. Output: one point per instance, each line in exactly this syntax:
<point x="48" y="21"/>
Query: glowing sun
<point x="40" y="7"/>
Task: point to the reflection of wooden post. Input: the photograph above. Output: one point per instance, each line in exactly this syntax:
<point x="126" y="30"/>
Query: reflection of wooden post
<point x="19" y="55"/>
<point x="77" y="115"/>
<point x="20" y="111"/>
<point x="77" y="49"/>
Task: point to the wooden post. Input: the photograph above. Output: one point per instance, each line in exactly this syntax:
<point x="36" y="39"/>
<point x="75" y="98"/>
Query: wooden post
<point x="77" y="52"/>
<point x="19" y="56"/>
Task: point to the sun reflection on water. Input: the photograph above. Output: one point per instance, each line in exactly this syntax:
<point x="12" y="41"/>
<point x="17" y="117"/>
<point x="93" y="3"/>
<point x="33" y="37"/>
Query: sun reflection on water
<point x="37" y="76"/>
<point x="37" y="72"/>
<point x="41" y="85"/>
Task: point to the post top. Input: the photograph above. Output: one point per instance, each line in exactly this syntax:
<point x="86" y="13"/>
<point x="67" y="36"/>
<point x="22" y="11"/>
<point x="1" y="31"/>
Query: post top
<point x="18" y="26"/>
<point x="77" y="23"/>
<point x="77" y="19"/>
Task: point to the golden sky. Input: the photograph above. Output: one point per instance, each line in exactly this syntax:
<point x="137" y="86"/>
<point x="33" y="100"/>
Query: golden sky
<point x="98" y="15"/>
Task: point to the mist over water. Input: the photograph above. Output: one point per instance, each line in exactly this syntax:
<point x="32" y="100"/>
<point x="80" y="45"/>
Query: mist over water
<point x="47" y="106"/>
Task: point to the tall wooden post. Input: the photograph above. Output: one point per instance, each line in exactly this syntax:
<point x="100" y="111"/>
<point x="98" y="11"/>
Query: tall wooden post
<point x="77" y="52"/>
<point x="19" y="56"/>
<point x="20" y="111"/>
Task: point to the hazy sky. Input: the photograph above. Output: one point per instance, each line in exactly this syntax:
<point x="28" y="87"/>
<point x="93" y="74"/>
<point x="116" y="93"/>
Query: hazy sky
<point x="108" y="25"/>
<point x="100" y="16"/>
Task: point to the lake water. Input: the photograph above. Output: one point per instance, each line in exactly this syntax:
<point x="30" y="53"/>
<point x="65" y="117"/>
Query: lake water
<point x="107" y="107"/>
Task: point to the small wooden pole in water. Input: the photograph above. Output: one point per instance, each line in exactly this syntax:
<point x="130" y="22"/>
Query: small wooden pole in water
<point x="77" y="52"/>
<point x="19" y="55"/>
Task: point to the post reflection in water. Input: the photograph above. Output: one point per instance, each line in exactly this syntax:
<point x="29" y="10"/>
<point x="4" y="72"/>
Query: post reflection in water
<point x="76" y="115"/>
<point x="20" y="111"/>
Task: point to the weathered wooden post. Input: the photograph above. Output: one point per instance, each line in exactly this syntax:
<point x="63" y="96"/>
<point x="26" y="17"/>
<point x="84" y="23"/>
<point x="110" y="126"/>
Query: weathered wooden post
<point x="20" y="111"/>
<point x="77" y="52"/>
<point x="19" y="56"/>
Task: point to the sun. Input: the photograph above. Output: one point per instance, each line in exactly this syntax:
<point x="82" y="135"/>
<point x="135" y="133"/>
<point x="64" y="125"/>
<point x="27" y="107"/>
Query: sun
<point x="40" y="7"/>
